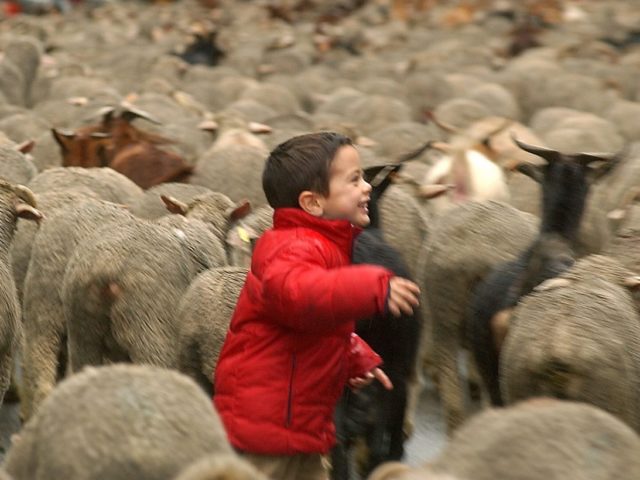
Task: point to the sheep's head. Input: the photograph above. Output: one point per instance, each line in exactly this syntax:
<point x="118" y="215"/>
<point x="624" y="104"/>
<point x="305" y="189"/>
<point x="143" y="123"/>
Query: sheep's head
<point x="215" y="209"/>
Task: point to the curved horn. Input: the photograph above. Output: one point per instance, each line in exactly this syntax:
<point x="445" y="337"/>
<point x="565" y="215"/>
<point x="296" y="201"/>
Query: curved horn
<point x="24" y="193"/>
<point x="99" y="135"/>
<point x="546" y="153"/>
<point x="106" y="113"/>
<point x="447" y="127"/>
<point x="130" y="112"/>
<point x="63" y="133"/>
<point x="586" y="158"/>
<point x="431" y="144"/>
<point x="29" y="212"/>
<point x="383" y="172"/>
<point x="499" y="128"/>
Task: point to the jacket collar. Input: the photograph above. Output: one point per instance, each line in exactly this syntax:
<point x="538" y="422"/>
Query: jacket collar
<point x="341" y="232"/>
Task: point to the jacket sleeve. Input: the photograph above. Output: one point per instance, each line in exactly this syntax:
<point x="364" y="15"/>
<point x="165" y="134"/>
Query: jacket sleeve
<point x="302" y="293"/>
<point x="362" y="358"/>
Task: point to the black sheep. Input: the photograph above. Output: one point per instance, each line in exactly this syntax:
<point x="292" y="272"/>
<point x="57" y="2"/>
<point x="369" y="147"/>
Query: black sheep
<point x="203" y="50"/>
<point x="565" y="181"/>
<point x="375" y="416"/>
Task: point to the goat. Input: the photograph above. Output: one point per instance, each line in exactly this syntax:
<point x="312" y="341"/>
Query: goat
<point x="116" y="143"/>
<point x="565" y="181"/>
<point x="468" y="165"/>
<point x="375" y="416"/>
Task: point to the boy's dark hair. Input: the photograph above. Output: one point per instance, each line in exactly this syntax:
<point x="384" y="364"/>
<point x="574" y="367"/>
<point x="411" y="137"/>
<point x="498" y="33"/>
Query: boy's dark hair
<point x="301" y="163"/>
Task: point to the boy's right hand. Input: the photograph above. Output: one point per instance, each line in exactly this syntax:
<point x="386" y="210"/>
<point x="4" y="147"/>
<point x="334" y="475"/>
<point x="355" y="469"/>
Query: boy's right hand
<point x="403" y="296"/>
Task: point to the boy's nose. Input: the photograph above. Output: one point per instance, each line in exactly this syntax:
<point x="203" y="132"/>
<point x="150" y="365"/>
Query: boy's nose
<point x="367" y="186"/>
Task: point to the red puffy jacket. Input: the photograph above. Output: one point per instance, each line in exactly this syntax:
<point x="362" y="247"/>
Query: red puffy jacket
<point x="290" y="347"/>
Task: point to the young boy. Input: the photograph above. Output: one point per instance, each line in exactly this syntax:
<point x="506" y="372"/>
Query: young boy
<point x="290" y="348"/>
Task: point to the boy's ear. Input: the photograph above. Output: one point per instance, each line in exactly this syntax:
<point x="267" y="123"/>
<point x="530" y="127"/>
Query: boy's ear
<point x="311" y="203"/>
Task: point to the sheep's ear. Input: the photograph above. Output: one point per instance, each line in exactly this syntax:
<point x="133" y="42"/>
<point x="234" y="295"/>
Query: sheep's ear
<point x="239" y="210"/>
<point x="28" y="212"/>
<point x="26" y="146"/>
<point x="552" y="283"/>
<point x="174" y="205"/>
<point x="600" y="167"/>
<point x="532" y="171"/>
<point x="632" y="283"/>
<point x="434" y="190"/>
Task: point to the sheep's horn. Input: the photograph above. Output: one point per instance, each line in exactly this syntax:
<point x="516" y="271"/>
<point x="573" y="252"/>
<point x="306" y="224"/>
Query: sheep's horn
<point x="447" y="127"/>
<point x="546" y="153"/>
<point x="500" y="128"/>
<point x="29" y="212"/>
<point x="130" y="112"/>
<point x="106" y="113"/>
<point x="63" y="133"/>
<point x="586" y="158"/>
<point x="431" y="144"/>
<point x="383" y="173"/>
<point x="99" y="135"/>
<point x="24" y="193"/>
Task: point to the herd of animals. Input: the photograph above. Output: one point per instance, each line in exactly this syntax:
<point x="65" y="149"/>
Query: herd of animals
<point x="500" y="141"/>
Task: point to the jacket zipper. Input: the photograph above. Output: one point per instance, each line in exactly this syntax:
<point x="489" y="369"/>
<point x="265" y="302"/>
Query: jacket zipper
<point x="290" y="397"/>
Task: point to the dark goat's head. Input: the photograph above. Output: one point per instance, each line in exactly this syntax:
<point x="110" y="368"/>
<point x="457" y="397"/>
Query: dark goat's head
<point x="565" y="181"/>
<point x="380" y="177"/>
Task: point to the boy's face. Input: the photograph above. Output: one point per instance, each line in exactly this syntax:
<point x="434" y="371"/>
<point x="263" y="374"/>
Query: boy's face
<point x="348" y="192"/>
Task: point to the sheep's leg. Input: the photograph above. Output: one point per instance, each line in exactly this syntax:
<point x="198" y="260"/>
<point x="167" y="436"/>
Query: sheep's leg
<point x="451" y="393"/>
<point x="40" y="366"/>
<point x="190" y="362"/>
<point x="156" y="349"/>
<point x="6" y="367"/>
<point x="86" y="341"/>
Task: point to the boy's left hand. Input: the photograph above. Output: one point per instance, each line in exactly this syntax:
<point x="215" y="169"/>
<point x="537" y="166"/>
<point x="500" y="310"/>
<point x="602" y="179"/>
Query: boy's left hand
<point x="357" y="383"/>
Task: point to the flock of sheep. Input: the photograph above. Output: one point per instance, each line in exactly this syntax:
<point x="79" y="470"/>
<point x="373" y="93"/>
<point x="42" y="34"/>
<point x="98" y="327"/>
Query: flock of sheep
<point x="516" y="125"/>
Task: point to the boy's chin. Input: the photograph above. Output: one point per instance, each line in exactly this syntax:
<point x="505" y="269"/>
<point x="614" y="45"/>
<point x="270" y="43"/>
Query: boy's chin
<point x="362" y="221"/>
